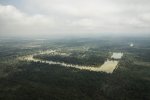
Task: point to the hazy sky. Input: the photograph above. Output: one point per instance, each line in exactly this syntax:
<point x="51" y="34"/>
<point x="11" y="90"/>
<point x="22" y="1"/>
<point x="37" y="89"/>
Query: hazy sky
<point x="74" y="17"/>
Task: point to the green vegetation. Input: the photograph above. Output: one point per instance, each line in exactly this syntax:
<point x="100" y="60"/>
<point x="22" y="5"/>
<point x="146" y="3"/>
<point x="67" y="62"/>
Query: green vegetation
<point x="86" y="58"/>
<point x="24" y="80"/>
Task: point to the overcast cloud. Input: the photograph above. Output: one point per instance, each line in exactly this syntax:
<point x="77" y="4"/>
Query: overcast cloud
<point x="70" y="17"/>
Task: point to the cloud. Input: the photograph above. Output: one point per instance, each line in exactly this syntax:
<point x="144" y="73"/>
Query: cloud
<point x="80" y="17"/>
<point x="12" y="21"/>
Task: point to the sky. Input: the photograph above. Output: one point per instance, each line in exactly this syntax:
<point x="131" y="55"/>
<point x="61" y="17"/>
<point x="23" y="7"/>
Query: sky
<point x="74" y="17"/>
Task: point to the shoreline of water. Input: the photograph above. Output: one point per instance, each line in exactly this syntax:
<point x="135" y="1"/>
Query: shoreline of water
<point x="109" y="65"/>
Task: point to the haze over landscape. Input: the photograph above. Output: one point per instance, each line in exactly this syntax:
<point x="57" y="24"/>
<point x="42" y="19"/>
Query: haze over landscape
<point x="76" y="17"/>
<point x="74" y="49"/>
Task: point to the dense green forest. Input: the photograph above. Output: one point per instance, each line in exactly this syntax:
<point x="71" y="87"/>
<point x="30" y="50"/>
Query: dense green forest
<point x="87" y="60"/>
<point x="27" y="80"/>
